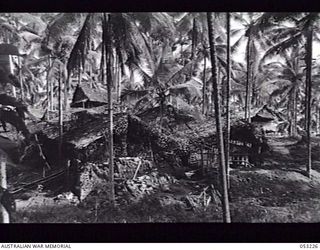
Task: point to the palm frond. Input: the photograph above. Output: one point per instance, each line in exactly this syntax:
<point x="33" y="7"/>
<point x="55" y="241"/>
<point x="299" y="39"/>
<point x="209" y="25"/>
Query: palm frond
<point x="81" y="47"/>
<point x="236" y="45"/>
<point x="283" y="45"/>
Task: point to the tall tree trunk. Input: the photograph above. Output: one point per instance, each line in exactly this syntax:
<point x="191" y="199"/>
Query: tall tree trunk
<point x="80" y="73"/>
<point x="193" y="45"/>
<point x="220" y="142"/>
<point x="248" y="82"/>
<point x="204" y="87"/>
<point x="49" y="101"/>
<point x="295" y="95"/>
<point x="109" y="81"/>
<point x="60" y="116"/>
<point x="317" y="120"/>
<point x="65" y="92"/>
<point x="227" y="139"/>
<point x="117" y="79"/>
<point x="3" y="176"/>
<point x="290" y="114"/>
<point x="293" y="121"/>
<point x="318" y="117"/>
<point x="308" y="94"/>
<point x="20" y="79"/>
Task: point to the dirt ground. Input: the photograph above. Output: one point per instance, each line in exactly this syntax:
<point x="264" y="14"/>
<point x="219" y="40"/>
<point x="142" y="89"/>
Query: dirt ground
<point x="279" y="190"/>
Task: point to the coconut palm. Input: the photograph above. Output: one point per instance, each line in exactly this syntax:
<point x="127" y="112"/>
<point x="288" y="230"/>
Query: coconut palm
<point x="216" y="89"/>
<point x="283" y="85"/>
<point x="305" y="31"/>
<point x="166" y="88"/>
<point x="250" y="33"/>
<point x="227" y="139"/>
<point x="123" y="41"/>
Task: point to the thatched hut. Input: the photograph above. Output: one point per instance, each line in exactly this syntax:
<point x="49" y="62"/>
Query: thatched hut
<point x="86" y="96"/>
<point x="269" y="119"/>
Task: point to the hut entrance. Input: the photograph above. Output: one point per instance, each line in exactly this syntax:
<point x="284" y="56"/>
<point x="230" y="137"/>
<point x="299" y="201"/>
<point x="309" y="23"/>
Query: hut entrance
<point x="204" y="159"/>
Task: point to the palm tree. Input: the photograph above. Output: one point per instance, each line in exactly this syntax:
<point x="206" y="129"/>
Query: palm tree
<point x="283" y="81"/>
<point x="216" y="89"/>
<point x="227" y="139"/>
<point x="252" y="24"/>
<point x="309" y="38"/>
<point x="107" y="43"/>
<point x="305" y="27"/>
<point x="122" y="41"/>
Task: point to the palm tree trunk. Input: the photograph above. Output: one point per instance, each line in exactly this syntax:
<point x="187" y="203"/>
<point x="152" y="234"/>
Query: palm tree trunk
<point x="60" y="117"/>
<point x="3" y="182"/>
<point x="317" y="120"/>
<point x="80" y="73"/>
<point x="204" y="87"/>
<point x="66" y="90"/>
<point x="49" y="102"/>
<point x="20" y="78"/>
<point x="65" y="93"/>
<point x="193" y="45"/>
<point x="216" y="92"/>
<point x="227" y="139"/>
<point x="290" y="113"/>
<point x="308" y="94"/>
<point x="117" y="79"/>
<point x="109" y="63"/>
<point x="294" y="112"/>
<point x="248" y="89"/>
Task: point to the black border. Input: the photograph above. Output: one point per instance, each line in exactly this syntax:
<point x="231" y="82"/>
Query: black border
<point x="158" y="5"/>
<point x="158" y="233"/>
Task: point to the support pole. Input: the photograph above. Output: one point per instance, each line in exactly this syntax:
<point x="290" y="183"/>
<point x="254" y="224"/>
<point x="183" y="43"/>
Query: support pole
<point x="20" y="78"/>
<point x="4" y="212"/>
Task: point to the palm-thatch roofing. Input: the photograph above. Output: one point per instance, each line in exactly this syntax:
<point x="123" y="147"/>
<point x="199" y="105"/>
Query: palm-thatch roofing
<point x="191" y="90"/>
<point x="266" y="114"/>
<point x="82" y="127"/>
<point x="85" y="92"/>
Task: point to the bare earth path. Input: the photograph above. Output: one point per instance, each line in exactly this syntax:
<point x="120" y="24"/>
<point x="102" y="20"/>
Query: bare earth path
<point x="278" y="191"/>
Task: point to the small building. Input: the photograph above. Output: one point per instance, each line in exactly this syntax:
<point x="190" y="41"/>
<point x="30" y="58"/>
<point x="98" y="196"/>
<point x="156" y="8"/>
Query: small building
<point x="87" y="96"/>
<point x="240" y="156"/>
<point x="269" y="119"/>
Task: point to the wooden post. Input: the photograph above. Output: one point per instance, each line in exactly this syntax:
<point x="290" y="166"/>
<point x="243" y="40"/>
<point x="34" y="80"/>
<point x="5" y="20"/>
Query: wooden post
<point x="20" y="79"/>
<point x="4" y="212"/>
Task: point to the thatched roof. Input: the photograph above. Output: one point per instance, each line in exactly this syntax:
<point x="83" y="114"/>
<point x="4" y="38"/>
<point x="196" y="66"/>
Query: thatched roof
<point x="266" y="114"/>
<point x="83" y="127"/>
<point x="90" y="93"/>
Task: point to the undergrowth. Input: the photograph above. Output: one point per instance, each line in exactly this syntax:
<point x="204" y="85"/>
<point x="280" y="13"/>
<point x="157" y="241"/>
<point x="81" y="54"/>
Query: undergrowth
<point x="146" y="210"/>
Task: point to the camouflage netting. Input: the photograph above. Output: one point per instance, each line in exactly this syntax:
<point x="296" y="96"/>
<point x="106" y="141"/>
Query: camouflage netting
<point x="140" y="148"/>
<point x="246" y="132"/>
<point x="84" y="138"/>
<point x="87" y="176"/>
<point x="86" y="134"/>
